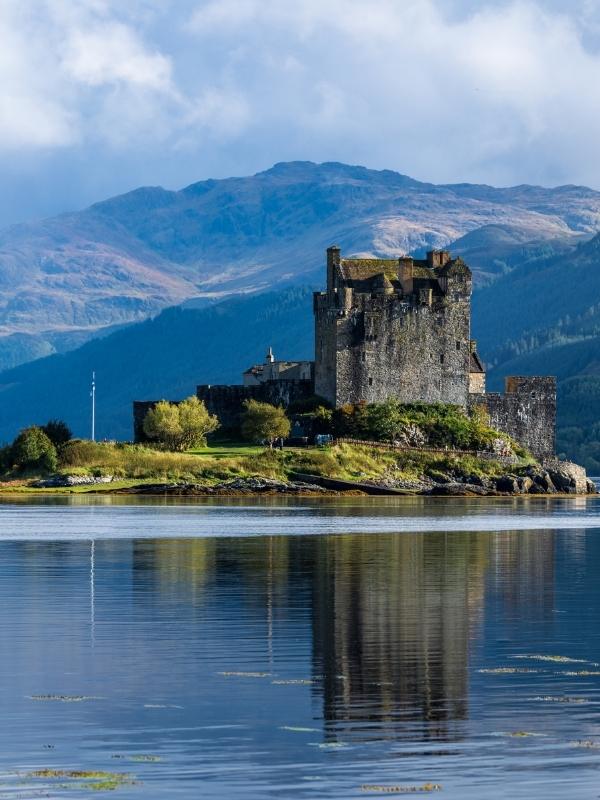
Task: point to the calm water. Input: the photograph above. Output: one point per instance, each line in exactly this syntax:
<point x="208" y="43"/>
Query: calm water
<point x="310" y="649"/>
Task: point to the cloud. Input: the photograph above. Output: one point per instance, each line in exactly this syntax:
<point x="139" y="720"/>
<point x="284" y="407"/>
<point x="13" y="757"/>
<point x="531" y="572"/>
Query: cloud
<point x="501" y="91"/>
<point x="446" y="89"/>
<point x="110" y="53"/>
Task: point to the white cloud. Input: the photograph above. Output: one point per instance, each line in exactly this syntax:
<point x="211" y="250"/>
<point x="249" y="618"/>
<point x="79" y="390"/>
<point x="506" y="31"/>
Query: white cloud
<point x="496" y="89"/>
<point x="111" y="53"/>
<point x="500" y="91"/>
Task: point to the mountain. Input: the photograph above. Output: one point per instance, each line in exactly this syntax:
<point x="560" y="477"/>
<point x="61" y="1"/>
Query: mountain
<point x="126" y="258"/>
<point x="545" y="292"/>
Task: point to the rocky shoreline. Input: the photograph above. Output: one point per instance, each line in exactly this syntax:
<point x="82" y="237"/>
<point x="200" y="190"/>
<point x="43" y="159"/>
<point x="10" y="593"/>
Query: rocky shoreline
<point x="551" y="478"/>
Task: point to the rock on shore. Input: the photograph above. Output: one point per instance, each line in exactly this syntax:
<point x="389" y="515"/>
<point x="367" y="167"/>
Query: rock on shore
<point x="235" y="487"/>
<point x="553" y="477"/>
<point x="65" y="481"/>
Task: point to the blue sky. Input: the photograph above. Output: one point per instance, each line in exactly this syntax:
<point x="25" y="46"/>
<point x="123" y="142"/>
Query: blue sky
<point x="100" y="96"/>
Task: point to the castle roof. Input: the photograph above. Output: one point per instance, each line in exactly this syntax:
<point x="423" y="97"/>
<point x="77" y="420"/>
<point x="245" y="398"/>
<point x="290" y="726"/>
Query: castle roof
<point x="363" y="269"/>
<point x="455" y="265"/>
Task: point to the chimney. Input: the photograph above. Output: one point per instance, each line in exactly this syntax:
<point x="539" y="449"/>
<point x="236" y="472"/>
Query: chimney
<point x="333" y="261"/>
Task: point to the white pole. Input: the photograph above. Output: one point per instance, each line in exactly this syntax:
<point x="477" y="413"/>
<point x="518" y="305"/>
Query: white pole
<point x="93" y="393"/>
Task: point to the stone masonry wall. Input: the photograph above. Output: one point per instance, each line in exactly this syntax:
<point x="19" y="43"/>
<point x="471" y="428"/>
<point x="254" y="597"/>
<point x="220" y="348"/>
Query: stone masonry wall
<point x="526" y="411"/>
<point x="227" y="402"/>
<point x="384" y="346"/>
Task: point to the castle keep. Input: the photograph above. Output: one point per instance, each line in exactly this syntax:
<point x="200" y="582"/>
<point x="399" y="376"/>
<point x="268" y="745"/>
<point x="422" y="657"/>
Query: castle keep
<point x="396" y="328"/>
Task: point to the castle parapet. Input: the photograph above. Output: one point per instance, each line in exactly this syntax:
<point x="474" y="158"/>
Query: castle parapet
<point x="526" y="412"/>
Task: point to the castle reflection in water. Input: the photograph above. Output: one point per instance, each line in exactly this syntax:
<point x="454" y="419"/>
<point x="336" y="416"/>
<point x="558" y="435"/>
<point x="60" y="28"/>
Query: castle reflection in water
<point x="388" y="621"/>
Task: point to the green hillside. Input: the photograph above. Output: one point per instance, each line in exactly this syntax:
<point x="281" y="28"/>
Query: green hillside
<point x="164" y="357"/>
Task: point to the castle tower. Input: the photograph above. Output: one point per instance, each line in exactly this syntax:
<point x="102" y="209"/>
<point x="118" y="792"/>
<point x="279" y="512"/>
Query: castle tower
<point x="394" y="328"/>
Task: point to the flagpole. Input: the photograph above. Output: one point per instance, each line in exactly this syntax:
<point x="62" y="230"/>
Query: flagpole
<point x="93" y="394"/>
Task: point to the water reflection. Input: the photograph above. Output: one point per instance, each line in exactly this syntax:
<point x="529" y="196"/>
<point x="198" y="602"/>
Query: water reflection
<point x="391" y="616"/>
<point x="260" y="665"/>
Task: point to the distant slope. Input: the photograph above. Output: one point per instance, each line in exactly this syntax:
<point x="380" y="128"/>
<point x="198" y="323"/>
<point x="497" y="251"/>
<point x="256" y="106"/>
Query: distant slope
<point x="164" y="357"/>
<point x="123" y="259"/>
<point x="551" y="291"/>
<point x="576" y="363"/>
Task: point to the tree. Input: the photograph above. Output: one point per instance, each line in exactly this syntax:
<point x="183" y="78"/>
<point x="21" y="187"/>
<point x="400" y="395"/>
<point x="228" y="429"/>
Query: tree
<point x="32" y="449"/>
<point x="195" y="422"/>
<point x="161" y="423"/>
<point x="263" y="422"/>
<point x="58" y="432"/>
<point x="180" y="426"/>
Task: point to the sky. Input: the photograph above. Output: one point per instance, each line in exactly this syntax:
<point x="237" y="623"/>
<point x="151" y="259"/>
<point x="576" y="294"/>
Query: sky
<point x="101" y="96"/>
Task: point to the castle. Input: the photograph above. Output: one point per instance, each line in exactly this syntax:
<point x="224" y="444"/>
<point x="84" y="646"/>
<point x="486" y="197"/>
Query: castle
<point x="392" y="328"/>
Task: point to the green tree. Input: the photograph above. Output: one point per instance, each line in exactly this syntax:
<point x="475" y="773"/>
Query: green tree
<point x="161" y="424"/>
<point x="195" y="423"/>
<point x="180" y="426"/>
<point x="32" y="449"/>
<point x="263" y="422"/>
<point x="58" y="432"/>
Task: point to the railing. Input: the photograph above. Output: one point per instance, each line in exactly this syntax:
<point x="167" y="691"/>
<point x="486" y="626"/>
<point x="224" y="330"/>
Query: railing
<point x="446" y="451"/>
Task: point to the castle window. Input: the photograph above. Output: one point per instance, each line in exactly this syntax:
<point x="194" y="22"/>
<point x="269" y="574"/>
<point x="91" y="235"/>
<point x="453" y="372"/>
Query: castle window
<point x="370" y="381"/>
<point x="363" y="356"/>
<point x="458" y="345"/>
<point x="441" y="358"/>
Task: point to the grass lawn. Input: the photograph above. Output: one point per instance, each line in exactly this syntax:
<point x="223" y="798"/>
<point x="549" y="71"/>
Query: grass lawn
<point x="228" y="450"/>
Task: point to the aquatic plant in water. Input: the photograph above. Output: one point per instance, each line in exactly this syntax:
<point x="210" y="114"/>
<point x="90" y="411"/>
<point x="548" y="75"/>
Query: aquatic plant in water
<point x="562" y="699"/>
<point x="92" y="780"/>
<point x="507" y="670"/>
<point x="579" y="673"/>
<point x="558" y="659"/>
<point x="61" y="698"/>
<point x="380" y="788"/>
<point x="245" y="674"/>
<point x="586" y="743"/>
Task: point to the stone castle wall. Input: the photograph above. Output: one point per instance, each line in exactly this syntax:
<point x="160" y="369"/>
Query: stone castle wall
<point x="379" y="346"/>
<point x="227" y="402"/>
<point x="526" y="411"/>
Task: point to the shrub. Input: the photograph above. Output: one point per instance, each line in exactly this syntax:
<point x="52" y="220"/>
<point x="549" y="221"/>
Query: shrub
<point x="32" y="449"/>
<point x="57" y="431"/>
<point x="180" y="426"/>
<point x="419" y="424"/>
<point x="80" y="453"/>
<point x="263" y="422"/>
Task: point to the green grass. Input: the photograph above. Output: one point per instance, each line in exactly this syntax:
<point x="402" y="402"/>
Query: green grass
<point x="136" y="464"/>
<point x="233" y="450"/>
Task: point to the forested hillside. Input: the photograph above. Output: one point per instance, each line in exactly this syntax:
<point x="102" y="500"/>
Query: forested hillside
<point x="161" y="358"/>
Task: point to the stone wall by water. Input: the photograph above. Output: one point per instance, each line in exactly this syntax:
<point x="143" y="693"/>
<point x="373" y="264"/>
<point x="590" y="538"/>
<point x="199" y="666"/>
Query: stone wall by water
<point x="526" y="411"/>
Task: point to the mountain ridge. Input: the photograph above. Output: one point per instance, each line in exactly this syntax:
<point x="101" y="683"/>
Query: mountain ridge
<point x="125" y="258"/>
